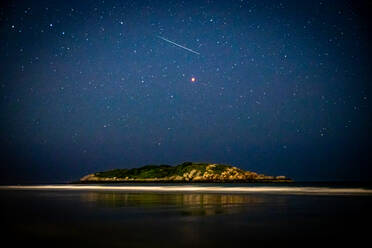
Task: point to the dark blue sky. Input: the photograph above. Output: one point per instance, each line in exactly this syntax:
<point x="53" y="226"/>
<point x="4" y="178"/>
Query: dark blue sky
<point x="282" y="87"/>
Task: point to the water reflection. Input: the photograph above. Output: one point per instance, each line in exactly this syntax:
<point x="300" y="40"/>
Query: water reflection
<point x="122" y="219"/>
<point x="187" y="203"/>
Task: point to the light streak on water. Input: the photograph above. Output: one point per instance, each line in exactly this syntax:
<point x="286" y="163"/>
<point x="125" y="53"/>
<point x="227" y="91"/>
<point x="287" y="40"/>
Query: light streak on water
<point x="201" y="189"/>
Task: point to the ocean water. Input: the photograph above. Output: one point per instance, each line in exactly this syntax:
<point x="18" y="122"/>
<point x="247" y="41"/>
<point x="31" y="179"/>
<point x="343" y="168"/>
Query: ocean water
<point x="205" y="215"/>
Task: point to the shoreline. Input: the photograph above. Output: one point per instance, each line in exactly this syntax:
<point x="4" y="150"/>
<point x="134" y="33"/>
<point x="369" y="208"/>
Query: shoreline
<point x="181" y="181"/>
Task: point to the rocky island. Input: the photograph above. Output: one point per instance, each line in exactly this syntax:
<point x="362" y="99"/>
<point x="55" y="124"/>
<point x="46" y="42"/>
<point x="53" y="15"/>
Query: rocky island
<point x="182" y="173"/>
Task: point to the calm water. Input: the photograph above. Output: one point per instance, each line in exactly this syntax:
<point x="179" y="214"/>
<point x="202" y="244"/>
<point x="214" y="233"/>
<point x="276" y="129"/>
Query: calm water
<point x="109" y="217"/>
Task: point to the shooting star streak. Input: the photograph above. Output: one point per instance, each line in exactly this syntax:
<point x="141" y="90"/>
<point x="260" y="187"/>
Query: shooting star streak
<point x="174" y="43"/>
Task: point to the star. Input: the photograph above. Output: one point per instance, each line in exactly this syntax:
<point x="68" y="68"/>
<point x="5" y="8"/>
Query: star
<point x="193" y="79"/>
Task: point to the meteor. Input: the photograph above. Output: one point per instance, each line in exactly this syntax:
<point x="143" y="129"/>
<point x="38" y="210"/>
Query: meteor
<point x="174" y="43"/>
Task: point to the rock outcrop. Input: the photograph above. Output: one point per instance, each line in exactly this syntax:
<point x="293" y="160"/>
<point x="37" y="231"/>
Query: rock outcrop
<point x="185" y="172"/>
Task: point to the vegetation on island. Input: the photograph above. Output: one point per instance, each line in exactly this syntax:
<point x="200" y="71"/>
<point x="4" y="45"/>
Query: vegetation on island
<point x="185" y="172"/>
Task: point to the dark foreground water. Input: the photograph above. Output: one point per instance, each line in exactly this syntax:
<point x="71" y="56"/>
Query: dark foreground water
<point x="99" y="217"/>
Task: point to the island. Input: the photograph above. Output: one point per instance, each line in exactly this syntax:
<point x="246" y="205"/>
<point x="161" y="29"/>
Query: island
<point x="183" y="173"/>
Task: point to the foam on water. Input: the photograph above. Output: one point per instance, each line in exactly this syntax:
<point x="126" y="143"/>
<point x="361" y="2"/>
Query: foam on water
<point x="206" y="189"/>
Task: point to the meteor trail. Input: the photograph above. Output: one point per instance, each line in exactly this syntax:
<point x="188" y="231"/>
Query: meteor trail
<point x="174" y="43"/>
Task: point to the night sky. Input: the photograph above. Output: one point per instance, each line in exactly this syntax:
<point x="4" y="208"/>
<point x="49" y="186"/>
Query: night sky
<point x="280" y="87"/>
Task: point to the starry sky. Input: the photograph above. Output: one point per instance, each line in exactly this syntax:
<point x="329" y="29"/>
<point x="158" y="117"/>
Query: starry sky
<point x="276" y="87"/>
